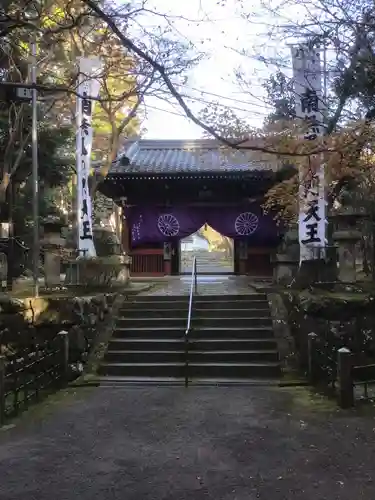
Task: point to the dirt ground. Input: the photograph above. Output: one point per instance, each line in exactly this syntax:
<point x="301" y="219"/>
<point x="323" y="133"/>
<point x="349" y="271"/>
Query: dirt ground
<point x="201" y="443"/>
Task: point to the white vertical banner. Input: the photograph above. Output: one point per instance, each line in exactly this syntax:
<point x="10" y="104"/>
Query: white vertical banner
<point x="88" y="86"/>
<point x="312" y="220"/>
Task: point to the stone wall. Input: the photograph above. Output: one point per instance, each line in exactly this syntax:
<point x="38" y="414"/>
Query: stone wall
<point x="26" y="322"/>
<point x="283" y="336"/>
<point x="338" y="320"/>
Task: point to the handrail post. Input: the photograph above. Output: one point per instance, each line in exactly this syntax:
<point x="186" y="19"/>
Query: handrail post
<point x="195" y="275"/>
<point x="193" y="289"/>
<point x="186" y="359"/>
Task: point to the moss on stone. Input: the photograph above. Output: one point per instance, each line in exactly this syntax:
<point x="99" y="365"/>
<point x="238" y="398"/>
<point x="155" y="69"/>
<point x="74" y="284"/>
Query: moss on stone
<point x="331" y="305"/>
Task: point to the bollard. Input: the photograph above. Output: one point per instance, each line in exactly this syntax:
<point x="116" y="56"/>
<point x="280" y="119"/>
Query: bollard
<point x="311" y="352"/>
<point x="64" y="356"/>
<point x="2" y="390"/>
<point x="344" y="376"/>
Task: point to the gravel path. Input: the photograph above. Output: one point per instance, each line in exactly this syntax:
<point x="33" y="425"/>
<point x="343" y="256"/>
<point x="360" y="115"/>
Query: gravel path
<point x="202" y="443"/>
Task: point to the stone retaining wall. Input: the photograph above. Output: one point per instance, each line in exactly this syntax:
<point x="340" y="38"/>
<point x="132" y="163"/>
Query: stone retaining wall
<point x="27" y="322"/>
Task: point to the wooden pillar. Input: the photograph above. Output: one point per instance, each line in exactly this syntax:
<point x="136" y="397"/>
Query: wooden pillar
<point x="167" y="258"/>
<point x="125" y="236"/>
<point x="242" y="254"/>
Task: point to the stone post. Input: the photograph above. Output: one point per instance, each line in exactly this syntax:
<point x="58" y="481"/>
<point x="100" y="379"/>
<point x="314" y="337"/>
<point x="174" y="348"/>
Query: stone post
<point x="346" y="241"/>
<point x="344" y="376"/>
<point x="286" y="259"/>
<point x="52" y="244"/>
<point x="3" y="271"/>
<point x="64" y="356"/>
<point x="313" y="369"/>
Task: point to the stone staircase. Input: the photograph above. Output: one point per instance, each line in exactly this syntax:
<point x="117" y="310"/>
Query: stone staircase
<point x="232" y="340"/>
<point x="207" y="262"/>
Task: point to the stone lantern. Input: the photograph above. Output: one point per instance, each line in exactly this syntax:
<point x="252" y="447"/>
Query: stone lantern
<point x="286" y="259"/>
<point x="52" y="244"/>
<point x="346" y="237"/>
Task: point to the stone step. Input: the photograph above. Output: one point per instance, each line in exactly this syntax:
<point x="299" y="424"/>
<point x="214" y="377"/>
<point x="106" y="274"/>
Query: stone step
<point x="206" y="258"/>
<point x="217" y="321"/>
<point x="208" y="263"/>
<point x="199" y="344"/>
<point x="201" y="370"/>
<point x="121" y="381"/>
<point x="110" y="381"/>
<point x="201" y="333"/>
<point x="252" y="297"/>
<point x="200" y="303"/>
<point x="231" y="339"/>
<point x="155" y="356"/>
<point x="198" y="313"/>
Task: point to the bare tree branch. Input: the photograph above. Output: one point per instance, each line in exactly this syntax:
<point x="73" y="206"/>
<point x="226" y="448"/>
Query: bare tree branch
<point x="130" y="45"/>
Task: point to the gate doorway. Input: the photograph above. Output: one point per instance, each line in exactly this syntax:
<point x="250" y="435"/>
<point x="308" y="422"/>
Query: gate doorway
<point x="213" y="251"/>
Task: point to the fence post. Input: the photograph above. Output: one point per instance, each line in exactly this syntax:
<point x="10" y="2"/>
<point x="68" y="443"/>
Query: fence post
<point x="64" y="356"/>
<point x="311" y="353"/>
<point x="2" y="390"/>
<point x="344" y="375"/>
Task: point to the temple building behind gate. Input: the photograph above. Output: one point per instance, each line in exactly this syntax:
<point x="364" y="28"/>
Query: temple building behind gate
<point x="171" y="192"/>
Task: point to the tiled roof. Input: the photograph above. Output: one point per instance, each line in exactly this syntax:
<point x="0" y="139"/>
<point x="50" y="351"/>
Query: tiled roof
<point x="195" y="156"/>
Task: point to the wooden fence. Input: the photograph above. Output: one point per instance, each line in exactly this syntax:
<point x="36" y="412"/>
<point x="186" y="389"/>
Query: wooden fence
<point x="31" y="374"/>
<point x="343" y="370"/>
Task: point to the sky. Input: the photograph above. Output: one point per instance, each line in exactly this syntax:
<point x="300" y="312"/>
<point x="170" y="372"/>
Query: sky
<point x="220" y="33"/>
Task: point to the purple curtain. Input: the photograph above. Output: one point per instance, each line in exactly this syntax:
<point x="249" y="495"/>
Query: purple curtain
<point x="152" y="224"/>
<point x="248" y="223"/>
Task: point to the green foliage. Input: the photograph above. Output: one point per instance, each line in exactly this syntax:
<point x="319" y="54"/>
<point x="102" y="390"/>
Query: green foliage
<point x="55" y="162"/>
<point x="55" y="169"/>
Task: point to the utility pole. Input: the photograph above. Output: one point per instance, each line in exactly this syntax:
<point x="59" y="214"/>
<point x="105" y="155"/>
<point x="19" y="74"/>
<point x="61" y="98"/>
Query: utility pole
<point x="35" y="174"/>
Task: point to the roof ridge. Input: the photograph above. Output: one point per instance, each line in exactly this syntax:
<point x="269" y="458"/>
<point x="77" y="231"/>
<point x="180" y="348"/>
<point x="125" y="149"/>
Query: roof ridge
<point x="160" y="156"/>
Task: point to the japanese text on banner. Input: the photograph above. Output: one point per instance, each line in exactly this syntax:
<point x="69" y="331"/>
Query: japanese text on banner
<point x="307" y="74"/>
<point x="87" y="88"/>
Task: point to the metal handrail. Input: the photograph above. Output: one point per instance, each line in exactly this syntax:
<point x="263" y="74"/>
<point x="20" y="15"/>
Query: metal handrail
<point x="193" y="290"/>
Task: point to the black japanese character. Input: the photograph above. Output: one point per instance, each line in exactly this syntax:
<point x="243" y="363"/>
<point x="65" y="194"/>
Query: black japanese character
<point x="312" y="123"/>
<point x="85" y="126"/>
<point x="83" y="169"/>
<point x="311" y="186"/>
<point x="86" y="231"/>
<point x="311" y="120"/>
<point x="312" y="232"/>
<point x="300" y="52"/>
<point x="310" y="137"/>
<point x="84" y="150"/>
<point x="309" y="191"/>
<point x="312" y="212"/>
<point x="315" y="181"/>
<point x="86" y="104"/>
<point x="84" y="210"/>
<point x="309" y="102"/>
